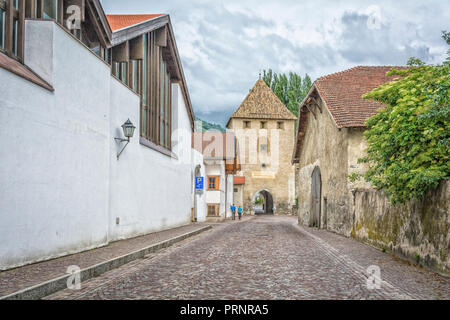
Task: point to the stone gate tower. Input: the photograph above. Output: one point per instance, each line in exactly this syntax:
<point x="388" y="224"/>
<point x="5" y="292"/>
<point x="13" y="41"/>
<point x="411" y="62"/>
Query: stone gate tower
<point x="265" y="130"/>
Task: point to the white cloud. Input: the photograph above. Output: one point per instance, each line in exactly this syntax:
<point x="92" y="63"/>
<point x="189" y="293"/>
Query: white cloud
<point x="225" y="44"/>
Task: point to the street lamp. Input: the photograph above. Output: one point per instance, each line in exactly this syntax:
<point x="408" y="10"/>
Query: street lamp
<point x="128" y="131"/>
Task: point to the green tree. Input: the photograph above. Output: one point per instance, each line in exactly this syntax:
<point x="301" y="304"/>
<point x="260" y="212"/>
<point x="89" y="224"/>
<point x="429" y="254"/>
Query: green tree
<point x="290" y="88"/>
<point x="408" y="140"/>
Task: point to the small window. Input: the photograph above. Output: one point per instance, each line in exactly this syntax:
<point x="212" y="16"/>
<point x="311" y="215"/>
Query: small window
<point x="135" y="66"/>
<point x="247" y="125"/>
<point x="50" y="9"/>
<point x="2" y="28"/>
<point x="16" y="4"/>
<point x="280" y="125"/>
<point x="213" y="210"/>
<point x="213" y="183"/>
<point x="236" y="190"/>
<point x="97" y="50"/>
<point x="263" y="124"/>
<point x="15" y="35"/>
<point x="123" y="72"/>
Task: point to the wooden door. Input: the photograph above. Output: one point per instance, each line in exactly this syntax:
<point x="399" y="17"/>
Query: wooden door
<point x="316" y="195"/>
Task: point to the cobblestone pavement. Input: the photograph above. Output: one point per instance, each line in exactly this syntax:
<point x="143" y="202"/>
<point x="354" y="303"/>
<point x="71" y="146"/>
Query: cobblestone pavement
<point x="263" y="258"/>
<point x="24" y="277"/>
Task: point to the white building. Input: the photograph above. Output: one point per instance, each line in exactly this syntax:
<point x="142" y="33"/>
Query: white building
<point x="64" y="96"/>
<point x="220" y="164"/>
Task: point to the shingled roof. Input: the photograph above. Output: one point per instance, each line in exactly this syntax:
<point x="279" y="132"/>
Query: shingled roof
<point x="342" y="92"/>
<point x="262" y="103"/>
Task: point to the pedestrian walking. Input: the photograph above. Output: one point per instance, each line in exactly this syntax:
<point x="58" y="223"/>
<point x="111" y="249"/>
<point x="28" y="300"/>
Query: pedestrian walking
<point x="240" y="212"/>
<point x="233" y="211"/>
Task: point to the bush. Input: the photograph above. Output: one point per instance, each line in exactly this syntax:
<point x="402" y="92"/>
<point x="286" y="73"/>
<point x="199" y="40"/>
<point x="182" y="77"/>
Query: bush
<point x="408" y="140"/>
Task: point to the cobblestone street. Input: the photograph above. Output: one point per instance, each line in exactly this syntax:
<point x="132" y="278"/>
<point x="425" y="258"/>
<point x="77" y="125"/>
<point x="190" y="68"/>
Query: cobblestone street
<point x="263" y="258"/>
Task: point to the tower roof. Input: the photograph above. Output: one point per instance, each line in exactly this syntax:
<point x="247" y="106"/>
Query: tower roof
<point x="262" y="103"/>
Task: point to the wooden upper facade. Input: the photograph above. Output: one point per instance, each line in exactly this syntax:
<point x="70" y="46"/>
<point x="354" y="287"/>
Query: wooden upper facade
<point x="140" y="49"/>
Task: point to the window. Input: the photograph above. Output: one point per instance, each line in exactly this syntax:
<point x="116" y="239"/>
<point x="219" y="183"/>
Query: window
<point x="135" y="80"/>
<point x="148" y="72"/>
<point x="144" y="73"/>
<point x="247" y="124"/>
<point x="280" y="125"/>
<point x="15" y="35"/>
<point x="263" y="143"/>
<point x="263" y="124"/>
<point x="162" y="101"/>
<point x="213" y="210"/>
<point x="2" y="28"/>
<point x="236" y="190"/>
<point x="50" y="9"/>
<point x="97" y="50"/>
<point x="213" y="183"/>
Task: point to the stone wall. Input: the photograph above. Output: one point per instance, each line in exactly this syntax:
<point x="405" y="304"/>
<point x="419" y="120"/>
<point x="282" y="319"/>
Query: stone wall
<point x="418" y="231"/>
<point x="325" y="146"/>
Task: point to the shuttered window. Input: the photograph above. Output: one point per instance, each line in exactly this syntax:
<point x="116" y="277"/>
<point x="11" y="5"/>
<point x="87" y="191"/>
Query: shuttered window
<point x="213" y="183"/>
<point x="213" y="210"/>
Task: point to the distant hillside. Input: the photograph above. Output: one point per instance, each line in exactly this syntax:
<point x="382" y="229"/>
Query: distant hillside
<point x="207" y="126"/>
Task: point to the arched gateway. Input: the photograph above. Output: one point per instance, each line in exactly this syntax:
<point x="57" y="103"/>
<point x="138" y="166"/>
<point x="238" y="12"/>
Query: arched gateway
<point x="263" y="202"/>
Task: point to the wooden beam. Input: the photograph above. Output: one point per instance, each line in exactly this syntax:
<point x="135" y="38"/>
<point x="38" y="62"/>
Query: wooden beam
<point x="312" y="111"/>
<point x="100" y="34"/>
<point x="30" y="9"/>
<point x="120" y="53"/>
<point x="161" y="37"/>
<point x="314" y="100"/>
<point x="137" y="48"/>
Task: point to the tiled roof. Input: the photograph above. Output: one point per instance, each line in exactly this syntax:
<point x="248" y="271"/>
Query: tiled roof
<point x="342" y="92"/>
<point x="262" y="103"/>
<point x="239" y="181"/>
<point x="120" y="21"/>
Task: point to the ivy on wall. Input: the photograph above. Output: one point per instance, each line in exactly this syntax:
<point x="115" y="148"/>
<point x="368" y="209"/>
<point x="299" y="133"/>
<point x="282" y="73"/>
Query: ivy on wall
<point x="408" y="140"/>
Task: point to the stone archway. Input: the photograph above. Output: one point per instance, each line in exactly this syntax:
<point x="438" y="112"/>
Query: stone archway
<point x="316" y="197"/>
<point x="266" y="206"/>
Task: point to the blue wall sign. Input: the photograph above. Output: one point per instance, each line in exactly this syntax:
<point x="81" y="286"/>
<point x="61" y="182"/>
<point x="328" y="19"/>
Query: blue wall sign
<point x="199" y="183"/>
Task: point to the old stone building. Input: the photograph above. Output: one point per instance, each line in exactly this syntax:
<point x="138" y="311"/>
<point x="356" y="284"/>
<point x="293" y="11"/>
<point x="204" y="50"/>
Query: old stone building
<point x="329" y="143"/>
<point x="265" y="130"/>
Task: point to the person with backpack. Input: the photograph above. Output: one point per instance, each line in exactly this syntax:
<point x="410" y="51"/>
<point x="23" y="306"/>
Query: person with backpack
<point x="240" y="212"/>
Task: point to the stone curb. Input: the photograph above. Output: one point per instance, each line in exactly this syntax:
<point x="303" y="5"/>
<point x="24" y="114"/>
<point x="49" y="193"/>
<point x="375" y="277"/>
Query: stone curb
<point x="49" y="287"/>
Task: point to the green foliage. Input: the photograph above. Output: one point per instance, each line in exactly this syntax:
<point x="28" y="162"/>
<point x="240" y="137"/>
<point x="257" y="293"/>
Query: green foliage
<point x="408" y="141"/>
<point x="207" y="126"/>
<point x="290" y="88"/>
<point x="259" y="201"/>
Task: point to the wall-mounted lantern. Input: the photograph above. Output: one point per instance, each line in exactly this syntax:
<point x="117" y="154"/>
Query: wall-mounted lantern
<point x="128" y="131"/>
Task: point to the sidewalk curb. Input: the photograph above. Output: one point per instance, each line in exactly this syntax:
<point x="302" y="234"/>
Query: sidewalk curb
<point x="49" y="287"/>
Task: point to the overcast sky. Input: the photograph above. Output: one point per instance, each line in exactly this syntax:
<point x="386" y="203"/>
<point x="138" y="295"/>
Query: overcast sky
<point x="224" y="44"/>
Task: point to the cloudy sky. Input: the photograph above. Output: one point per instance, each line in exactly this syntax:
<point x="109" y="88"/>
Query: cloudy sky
<point x="224" y="44"/>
